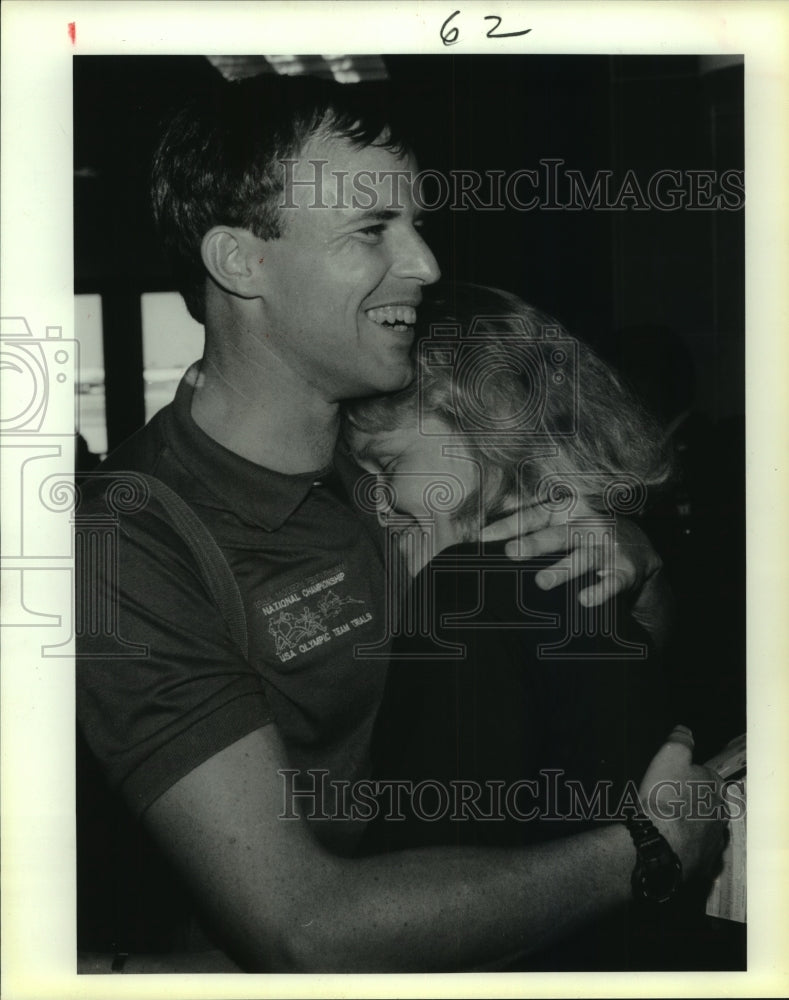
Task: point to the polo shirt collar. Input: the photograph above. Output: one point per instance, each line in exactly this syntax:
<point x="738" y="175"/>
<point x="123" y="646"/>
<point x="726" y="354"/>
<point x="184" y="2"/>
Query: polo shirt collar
<point x="222" y="479"/>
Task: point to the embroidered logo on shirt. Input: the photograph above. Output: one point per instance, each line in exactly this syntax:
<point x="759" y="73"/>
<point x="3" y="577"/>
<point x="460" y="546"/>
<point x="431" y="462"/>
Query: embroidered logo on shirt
<point x="314" y="622"/>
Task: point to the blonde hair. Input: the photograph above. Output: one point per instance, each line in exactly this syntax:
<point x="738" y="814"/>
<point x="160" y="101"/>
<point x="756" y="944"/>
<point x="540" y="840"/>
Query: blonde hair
<point x="535" y="404"/>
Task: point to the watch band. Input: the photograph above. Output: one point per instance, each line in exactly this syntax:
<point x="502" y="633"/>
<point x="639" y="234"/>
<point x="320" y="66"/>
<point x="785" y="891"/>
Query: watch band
<point x="643" y="831"/>
<point x="658" y="871"/>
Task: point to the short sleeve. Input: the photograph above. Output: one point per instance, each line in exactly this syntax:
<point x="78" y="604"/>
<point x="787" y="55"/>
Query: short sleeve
<point x="161" y="685"/>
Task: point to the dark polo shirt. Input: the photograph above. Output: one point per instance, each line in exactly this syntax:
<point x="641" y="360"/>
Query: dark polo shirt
<point x="309" y="567"/>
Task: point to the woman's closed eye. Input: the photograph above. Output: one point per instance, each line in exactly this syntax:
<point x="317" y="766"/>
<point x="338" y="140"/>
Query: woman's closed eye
<point x="397" y="517"/>
<point x="384" y="464"/>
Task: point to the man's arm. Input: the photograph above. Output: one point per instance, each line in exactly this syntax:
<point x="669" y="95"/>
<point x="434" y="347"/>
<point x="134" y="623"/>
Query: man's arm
<point x="282" y="903"/>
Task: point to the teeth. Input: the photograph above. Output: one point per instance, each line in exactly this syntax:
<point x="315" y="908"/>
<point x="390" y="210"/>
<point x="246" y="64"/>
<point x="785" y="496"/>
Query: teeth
<point x="393" y="315"/>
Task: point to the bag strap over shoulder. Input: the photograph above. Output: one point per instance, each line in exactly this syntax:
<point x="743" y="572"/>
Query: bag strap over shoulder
<point x="214" y="567"/>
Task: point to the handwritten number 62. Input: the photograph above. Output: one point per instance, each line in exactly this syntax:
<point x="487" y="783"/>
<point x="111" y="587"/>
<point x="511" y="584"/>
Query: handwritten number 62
<point x="450" y="35"/>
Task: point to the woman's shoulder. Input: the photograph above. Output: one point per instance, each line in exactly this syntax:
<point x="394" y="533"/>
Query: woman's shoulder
<point x="483" y="576"/>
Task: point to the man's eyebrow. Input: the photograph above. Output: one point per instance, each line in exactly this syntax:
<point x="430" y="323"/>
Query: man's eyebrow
<point x="383" y="215"/>
<point x="378" y="214"/>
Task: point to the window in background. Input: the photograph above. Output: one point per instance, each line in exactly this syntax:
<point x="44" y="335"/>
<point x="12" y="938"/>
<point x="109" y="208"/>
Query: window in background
<point x="90" y="377"/>
<point x="171" y="341"/>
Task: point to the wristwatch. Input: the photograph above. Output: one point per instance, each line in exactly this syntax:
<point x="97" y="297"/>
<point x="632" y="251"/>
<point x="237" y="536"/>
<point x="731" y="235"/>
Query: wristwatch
<point x="658" y="872"/>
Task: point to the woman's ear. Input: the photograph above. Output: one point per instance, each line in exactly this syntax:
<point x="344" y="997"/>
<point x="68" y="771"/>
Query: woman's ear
<point x="231" y="256"/>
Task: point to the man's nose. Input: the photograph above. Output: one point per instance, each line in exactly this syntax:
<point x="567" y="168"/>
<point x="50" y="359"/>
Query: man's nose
<point x="415" y="260"/>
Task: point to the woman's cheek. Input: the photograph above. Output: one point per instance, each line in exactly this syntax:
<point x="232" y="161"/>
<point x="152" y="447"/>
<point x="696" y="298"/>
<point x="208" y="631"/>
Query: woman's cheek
<point x="410" y="498"/>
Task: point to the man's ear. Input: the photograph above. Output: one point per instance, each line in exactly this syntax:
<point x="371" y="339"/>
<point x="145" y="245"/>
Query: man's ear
<point x="231" y="256"/>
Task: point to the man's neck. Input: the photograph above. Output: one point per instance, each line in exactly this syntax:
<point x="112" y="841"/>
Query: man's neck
<point x="265" y="415"/>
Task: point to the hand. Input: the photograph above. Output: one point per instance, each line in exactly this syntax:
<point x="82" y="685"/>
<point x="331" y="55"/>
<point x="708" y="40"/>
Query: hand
<point x="535" y="531"/>
<point x="685" y="802"/>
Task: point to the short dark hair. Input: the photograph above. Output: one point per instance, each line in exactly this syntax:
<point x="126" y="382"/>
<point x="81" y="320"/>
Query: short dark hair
<point x="592" y="423"/>
<point x="218" y="161"/>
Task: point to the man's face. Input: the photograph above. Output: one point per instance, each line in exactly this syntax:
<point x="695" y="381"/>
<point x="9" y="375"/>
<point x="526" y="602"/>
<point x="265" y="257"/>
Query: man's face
<point x="342" y="283"/>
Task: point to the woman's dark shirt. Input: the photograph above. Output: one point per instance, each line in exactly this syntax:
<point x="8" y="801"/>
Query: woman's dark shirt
<point x="544" y="690"/>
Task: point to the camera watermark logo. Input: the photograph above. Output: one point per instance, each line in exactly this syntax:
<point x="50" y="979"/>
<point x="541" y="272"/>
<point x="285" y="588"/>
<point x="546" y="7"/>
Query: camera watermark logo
<point x="39" y="375"/>
<point x="38" y="421"/>
<point x="48" y="541"/>
<point x="475" y="360"/>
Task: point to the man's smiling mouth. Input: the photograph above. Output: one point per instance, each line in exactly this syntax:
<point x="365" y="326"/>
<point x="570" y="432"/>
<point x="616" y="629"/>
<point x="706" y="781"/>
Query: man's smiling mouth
<point x="398" y="317"/>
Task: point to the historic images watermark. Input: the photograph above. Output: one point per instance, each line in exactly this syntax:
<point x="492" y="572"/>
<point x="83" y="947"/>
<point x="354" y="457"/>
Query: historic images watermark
<point x="551" y="796"/>
<point x="551" y="185"/>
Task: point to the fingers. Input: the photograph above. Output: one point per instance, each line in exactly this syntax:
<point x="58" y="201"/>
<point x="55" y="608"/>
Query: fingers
<point x="712" y="859"/>
<point x="560" y="572"/>
<point x="686" y="803"/>
<point x="609" y="586"/>
<point x="522" y="522"/>
<point x="733" y="795"/>
<point x="541" y="542"/>
<point x="579" y="562"/>
<point x="682" y="734"/>
<point x="672" y="761"/>
<point x="674" y="756"/>
<point x="571" y="566"/>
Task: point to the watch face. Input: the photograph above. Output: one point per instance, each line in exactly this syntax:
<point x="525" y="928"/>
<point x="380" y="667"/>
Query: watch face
<point x="659" y="880"/>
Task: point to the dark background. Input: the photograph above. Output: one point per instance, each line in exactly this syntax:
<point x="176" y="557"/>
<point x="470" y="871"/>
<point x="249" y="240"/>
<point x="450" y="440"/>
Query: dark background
<point x="659" y="293"/>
